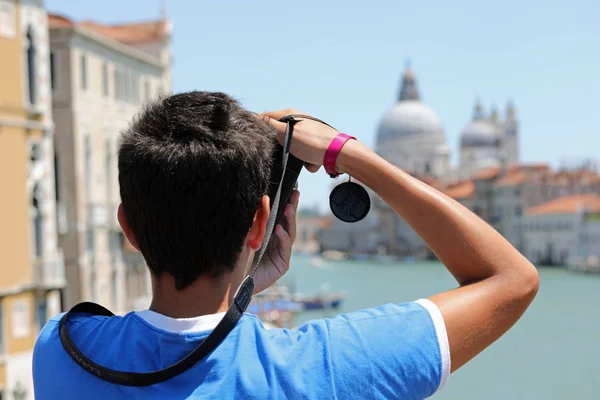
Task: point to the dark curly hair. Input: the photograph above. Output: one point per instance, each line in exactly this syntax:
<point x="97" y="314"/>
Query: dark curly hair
<point x="192" y="170"/>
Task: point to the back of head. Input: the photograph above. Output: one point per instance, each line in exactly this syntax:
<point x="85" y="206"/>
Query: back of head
<point x="193" y="168"/>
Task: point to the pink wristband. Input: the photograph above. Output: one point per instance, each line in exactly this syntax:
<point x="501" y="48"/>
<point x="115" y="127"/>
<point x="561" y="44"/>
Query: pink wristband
<point x="333" y="151"/>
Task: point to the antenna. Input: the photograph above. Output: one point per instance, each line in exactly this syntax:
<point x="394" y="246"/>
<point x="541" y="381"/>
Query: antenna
<point x="163" y="9"/>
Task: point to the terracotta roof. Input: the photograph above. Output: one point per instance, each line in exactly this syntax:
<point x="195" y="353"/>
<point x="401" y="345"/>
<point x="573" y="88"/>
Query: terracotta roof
<point x="533" y="167"/>
<point x="58" y="21"/>
<point x="488" y="173"/>
<point x="512" y="179"/>
<point x="461" y="190"/>
<point x="129" y="33"/>
<point x="567" y="205"/>
<point x="125" y="33"/>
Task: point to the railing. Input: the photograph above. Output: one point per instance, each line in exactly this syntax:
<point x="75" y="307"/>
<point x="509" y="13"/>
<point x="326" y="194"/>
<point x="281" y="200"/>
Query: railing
<point x="49" y="272"/>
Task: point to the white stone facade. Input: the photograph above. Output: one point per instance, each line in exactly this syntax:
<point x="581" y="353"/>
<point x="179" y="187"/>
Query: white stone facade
<point x="99" y="86"/>
<point x="548" y="238"/>
<point x="40" y="183"/>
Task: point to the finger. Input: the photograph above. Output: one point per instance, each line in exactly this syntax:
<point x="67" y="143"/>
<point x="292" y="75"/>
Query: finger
<point x="280" y="113"/>
<point x="274" y="258"/>
<point x="295" y="199"/>
<point x="285" y="247"/>
<point x="275" y="124"/>
<point x="290" y="218"/>
<point x="312" y="168"/>
<point x="285" y="223"/>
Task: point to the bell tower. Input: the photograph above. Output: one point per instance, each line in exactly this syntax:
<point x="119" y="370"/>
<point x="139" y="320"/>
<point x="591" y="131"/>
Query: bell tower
<point x="511" y="135"/>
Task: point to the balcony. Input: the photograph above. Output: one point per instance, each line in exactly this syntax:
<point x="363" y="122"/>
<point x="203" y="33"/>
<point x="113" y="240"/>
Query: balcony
<point x="49" y="272"/>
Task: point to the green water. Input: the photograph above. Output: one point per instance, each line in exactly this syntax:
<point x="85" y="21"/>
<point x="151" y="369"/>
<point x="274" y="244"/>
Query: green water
<point x="552" y="353"/>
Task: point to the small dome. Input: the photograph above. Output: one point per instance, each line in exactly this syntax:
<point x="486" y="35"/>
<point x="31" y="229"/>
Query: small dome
<point x="480" y="133"/>
<point x="409" y="118"/>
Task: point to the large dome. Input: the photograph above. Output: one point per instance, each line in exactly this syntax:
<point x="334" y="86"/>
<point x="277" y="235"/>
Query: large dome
<point x="409" y="118"/>
<point x="480" y="133"/>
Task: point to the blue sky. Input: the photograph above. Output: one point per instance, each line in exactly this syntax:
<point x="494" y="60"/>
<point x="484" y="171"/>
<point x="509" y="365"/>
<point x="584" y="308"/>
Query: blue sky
<point x="342" y="60"/>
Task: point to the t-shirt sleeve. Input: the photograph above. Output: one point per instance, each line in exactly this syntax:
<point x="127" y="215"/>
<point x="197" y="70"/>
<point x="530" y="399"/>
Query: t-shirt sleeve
<point x="391" y="351"/>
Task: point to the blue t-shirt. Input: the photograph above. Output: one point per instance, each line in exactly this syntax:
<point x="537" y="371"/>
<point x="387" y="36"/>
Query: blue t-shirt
<point x="388" y="352"/>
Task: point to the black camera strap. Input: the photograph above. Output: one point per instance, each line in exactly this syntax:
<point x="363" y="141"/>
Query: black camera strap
<point x="237" y="308"/>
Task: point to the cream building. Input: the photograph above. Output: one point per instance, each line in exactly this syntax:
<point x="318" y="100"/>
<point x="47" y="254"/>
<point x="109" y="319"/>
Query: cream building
<point x="553" y="231"/>
<point x="32" y="274"/>
<point x="101" y="76"/>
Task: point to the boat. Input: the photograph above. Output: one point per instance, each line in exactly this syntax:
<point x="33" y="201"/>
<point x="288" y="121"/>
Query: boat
<point x="360" y="257"/>
<point x="318" y="302"/>
<point x="335" y="255"/>
<point x="316" y="262"/>
<point x="385" y="258"/>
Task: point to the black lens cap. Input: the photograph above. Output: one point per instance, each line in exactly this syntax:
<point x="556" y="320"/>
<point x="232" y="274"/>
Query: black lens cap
<point x="349" y="202"/>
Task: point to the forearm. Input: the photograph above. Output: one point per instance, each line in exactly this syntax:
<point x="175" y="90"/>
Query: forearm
<point x="468" y="247"/>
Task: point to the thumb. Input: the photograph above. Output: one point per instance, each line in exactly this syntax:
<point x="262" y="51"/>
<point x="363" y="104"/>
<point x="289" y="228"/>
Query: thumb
<point x="280" y="127"/>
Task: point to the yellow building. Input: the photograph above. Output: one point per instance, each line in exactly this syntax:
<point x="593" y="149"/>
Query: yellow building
<point x="31" y="266"/>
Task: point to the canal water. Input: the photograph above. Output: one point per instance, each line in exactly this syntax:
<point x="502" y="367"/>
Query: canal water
<point x="553" y="352"/>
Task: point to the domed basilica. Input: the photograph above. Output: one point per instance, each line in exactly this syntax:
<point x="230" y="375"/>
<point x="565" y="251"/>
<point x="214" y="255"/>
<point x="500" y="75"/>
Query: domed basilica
<point x="411" y="136"/>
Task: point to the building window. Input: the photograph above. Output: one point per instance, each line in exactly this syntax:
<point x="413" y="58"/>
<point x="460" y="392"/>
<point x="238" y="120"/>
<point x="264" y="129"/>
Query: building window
<point x="8" y="19"/>
<point x="41" y="312"/>
<point x="127" y="85"/>
<point x="93" y="283"/>
<point x="37" y="224"/>
<point x="21" y="319"/>
<point x="135" y="83"/>
<point x="427" y="168"/>
<point x="90" y="239"/>
<point x="113" y="287"/>
<point x="105" y="79"/>
<point x="518" y="211"/>
<point x="56" y="178"/>
<point x="31" y="65"/>
<point x="498" y="213"/>
<point x="83" y="67"/>
<point x="109" y="161"/>
<point x="146" y="90"/>
<point x="116" y="83"/>
<point x="52" y="71"/>
<point x="88" y="165"/>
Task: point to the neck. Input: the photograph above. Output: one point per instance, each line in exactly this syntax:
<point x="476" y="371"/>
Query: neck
<point x="204" y="296"/>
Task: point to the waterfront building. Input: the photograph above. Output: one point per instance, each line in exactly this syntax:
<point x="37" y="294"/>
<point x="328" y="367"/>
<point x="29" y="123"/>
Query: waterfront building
<point x="585" y="255"/>
<point x="552" y="230"/>
<point x="32" y="275"/>
<point x="308" y="228"/>
<point x="101" y="75"/>
<point x="490" y="179"/>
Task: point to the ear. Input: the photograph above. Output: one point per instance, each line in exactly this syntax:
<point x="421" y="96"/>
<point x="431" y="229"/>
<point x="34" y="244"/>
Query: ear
<point x="126" y="228"/>
<point x="259" y="225"/>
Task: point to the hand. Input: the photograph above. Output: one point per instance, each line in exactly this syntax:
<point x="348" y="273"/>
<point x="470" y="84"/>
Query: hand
<point x="276" y="260"/>
<point x="311" y="138"/>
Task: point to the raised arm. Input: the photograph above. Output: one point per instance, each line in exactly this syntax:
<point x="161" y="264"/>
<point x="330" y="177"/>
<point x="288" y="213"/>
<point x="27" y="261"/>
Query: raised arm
<point x="497" y="283"/>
